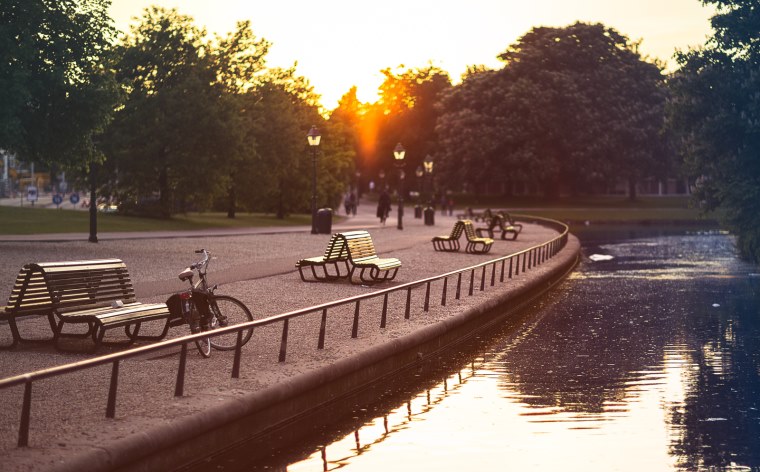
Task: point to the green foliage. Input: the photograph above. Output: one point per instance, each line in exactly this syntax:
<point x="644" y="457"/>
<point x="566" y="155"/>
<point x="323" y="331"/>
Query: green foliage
<point x="163" y="140"/>
<point x="716" y="112"/>
<point x="573" y="108"/>
<point x="55" y="94"/>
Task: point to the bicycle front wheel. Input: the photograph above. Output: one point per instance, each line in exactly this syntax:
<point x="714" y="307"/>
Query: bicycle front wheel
<point x="236" y="313"/>
<point x="204" y="346"/>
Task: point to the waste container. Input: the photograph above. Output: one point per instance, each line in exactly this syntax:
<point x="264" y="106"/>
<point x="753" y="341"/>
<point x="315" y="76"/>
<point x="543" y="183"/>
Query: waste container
<point x="429" y="216"/>
<point x="418" y="211"/>
<point x="324" y="220"/>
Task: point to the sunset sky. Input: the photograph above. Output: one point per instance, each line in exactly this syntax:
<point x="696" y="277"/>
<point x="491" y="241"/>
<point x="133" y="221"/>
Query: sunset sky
<point x="340" y="43"/>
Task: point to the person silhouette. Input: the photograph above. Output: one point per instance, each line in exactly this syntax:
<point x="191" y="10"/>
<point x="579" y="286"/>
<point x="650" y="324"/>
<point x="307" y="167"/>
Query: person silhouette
<point x="383" y="206"/>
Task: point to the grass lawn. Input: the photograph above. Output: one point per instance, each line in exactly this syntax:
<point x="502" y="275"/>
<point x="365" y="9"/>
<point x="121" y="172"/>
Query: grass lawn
<point x="16" y="220"/>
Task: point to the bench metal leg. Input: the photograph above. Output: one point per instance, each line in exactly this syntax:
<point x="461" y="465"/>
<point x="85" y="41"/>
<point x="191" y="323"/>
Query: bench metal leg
<point x="134" y="336"/>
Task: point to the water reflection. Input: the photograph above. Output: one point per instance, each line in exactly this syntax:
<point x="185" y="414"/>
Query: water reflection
<point x="647" y="361"/>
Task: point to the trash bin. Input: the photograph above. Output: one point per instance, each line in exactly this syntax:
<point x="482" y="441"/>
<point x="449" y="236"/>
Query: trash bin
<point x="429" y="216"/>
<point x="324" y="220"/>
<point x="418" y="211"/>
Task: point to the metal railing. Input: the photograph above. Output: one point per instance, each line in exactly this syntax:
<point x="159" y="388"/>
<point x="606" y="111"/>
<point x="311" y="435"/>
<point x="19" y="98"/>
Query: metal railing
<point x="507" y="267"/>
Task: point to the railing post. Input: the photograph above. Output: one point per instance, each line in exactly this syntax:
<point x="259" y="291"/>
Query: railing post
<point x="355" y="327"/>
<point x="408" y="302"/>
<point x="26" y="409"/>
<point x="427" y="297"/>
<point x="483" y="279"/>
<point x="384" y="315"/>
<point x="322" y="330"/>
<point x="238" y="355"/>
<point x="511" y="259"/>
<point x="503" y="263"/>
<point x="472" y="281"/>
<point x="459" y="285"/>
<point x="284" y="341"/>
<point x="179" y="388"/>
<point x="443" y="293"/>
<point x="524" y="261"/>
<point x="111" y="404"/>
<point x="493" y="274"/>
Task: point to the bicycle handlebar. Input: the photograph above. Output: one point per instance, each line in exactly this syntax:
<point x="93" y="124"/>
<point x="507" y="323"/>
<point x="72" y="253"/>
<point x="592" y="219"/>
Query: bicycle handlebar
<point x="200" y="265"/>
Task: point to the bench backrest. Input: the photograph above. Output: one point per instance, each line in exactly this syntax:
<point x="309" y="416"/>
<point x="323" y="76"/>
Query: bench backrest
<point x="495" y="221"/>
<point x="41" y="288"/>
<point x="469" y="230"/>
<point x="360" y="245"/>
<point x="457" y="230"/>
<point x="336" y="249"/>
<point x="506" y="218"/>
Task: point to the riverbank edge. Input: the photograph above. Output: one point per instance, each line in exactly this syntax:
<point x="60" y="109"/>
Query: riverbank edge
<point x="189" y="439"/>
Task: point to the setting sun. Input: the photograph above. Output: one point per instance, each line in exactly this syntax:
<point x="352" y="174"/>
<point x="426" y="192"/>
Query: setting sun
<point x="338" y="44"/>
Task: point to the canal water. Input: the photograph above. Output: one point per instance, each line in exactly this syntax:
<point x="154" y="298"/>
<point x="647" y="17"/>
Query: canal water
<point x="646" y="359"/>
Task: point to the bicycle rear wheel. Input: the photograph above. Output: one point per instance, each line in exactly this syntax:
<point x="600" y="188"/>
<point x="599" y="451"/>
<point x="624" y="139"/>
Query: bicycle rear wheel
<point x="235" y="312"/>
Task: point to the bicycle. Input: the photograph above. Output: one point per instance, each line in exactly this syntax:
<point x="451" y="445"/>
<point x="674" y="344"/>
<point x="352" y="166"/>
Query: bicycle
<point x="205" y="311"/>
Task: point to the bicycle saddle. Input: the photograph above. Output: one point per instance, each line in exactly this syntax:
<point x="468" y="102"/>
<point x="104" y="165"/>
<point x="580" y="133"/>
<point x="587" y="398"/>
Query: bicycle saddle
<point x="186" y="274"/>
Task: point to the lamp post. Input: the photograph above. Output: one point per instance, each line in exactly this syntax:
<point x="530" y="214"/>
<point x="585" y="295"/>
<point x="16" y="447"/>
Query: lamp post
<point x="420" y="192"/>
<point x="398" y="155"/>
<point x="313" y="137"/>
<point x="428" y="163"/>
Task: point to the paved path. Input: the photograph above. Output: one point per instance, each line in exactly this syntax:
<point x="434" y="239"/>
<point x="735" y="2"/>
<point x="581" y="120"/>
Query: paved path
<point x="257" y="267"/>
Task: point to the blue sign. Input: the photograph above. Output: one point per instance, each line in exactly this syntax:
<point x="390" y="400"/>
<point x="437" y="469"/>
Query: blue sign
<point x="74" y="198"/>
<point x="57" y="199"/>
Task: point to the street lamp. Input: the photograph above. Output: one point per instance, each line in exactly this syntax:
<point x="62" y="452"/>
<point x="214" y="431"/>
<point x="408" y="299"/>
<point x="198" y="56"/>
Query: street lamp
<point x="398" y="155"/>
<point x="313" y="137"/>
<point x="428" y="163"/>
<point x="420" y="194"/>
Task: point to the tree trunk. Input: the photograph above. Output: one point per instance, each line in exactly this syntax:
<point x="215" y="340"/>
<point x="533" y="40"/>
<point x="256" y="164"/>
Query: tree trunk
<point x="232" y="199"/>
<point x="631" y="188"/>
<point x="93" y="207"/>
<point x="163" y="189"/>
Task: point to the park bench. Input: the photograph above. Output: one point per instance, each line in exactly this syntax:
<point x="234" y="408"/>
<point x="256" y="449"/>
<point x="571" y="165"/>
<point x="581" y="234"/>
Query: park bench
<point x="503" y="223"/>
<point x="449" y="242"/>
<point x="335" y="254"/>
<point x="508" y="225"/>
<point x="363" y="257"/>
<point x="97" y="293"/>
<point x="475" y="244"/>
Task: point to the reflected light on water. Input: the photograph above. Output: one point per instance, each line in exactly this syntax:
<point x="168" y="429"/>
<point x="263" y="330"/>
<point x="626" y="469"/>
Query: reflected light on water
<point x="637" y="429"/>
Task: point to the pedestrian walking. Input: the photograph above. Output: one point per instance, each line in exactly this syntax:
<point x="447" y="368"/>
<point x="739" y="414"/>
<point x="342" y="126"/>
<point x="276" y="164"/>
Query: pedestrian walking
<point x="383" y="206"/>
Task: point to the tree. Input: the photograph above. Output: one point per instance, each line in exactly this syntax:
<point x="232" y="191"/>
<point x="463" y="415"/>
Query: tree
<point x="715" y="110"/>
<point x="239" y="60"/>
<point x="572" y="107"/>
<point x="56" y="95"/>
<point x="278" y="180"/>
<point x="166" y="139"/>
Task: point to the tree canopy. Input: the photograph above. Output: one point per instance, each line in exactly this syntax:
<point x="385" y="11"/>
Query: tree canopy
<point x="56" y="94"/>
<point x="573" y="108"/>
<point x="715" y="110"/>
